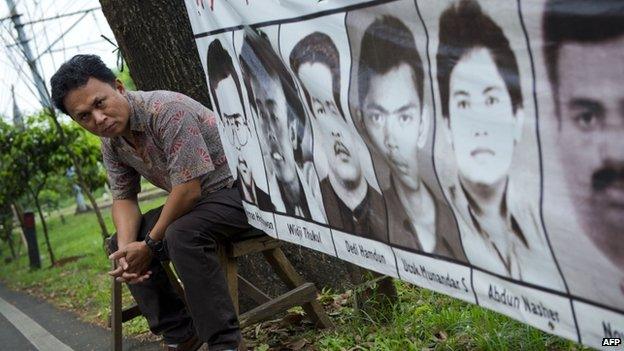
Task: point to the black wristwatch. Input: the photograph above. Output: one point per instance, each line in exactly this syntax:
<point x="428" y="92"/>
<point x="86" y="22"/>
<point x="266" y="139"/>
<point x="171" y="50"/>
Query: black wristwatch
<point x="158" y="247"/>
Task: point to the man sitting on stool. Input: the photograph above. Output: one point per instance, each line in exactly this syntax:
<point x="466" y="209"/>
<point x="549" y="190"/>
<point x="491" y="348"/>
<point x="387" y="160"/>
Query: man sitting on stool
<point x="173" y="142"/>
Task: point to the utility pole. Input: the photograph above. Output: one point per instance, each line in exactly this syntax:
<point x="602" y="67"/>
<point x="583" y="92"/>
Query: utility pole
<point x="18" y="120"/>
<point x="46" y="102"/>
<point x="23" y="42"/>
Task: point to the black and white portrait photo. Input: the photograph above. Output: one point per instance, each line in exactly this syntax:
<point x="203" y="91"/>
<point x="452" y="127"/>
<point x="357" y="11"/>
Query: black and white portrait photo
<point x="583" y="65"/>
<point x="494" y="188"/>
<point x="474" y="148"/>
<point x="351" y="203"/>
<point x="394" y="114"/>
<point x="228" y="102"/>
<point x="282" y="127"/>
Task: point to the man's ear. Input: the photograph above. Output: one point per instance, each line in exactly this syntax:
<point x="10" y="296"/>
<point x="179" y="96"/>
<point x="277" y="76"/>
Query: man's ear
<point x="423" y="128"/>
<point x="446" y="122"/>
<point x="119" y="86"/>
<point x="292" y="133"/>
<point x="518" y="124"/>
<point x="360" y="125"/>
<point x="359" y="115"/>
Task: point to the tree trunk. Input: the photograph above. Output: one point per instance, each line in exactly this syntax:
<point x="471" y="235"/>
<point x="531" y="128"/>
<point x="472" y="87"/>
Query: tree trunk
<point x="44" y="226"/>
<point x="7" y="223"/>
<point x="373" y="293"/>
<point x="156" y="40"/>
<point x="7" y="227"/>
<point x="8" y="237"/>
<point x="10" y="242"/>
<point x="19" y="213"/>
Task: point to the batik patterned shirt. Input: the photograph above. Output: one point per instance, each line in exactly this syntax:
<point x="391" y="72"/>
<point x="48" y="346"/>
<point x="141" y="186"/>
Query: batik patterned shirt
<point x="176" y="139"/>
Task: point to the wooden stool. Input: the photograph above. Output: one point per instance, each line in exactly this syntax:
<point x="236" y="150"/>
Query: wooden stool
<point x="253" y="241"/>
<point x="301" y="294"/>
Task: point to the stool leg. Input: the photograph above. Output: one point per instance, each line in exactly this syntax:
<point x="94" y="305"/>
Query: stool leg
<point x="229" y="265"/>
<point x="292" y="279"/>
<point x="116" y="323"/>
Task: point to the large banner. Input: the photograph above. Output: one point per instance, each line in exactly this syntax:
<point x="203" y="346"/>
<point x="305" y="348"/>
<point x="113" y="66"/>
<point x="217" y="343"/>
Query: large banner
<point x="474" y="148"/>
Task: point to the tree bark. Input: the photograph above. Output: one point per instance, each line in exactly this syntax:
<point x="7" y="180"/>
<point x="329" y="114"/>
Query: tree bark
<point x="7" y="227"/>
<point x="156" y="41"/>
<point x="19" y="213"/>
<point x="10" y="243"/>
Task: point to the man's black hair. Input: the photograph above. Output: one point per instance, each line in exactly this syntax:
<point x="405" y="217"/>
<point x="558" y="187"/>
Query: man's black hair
<point x="260" y="62"/>
<point x="386" y="44"/>
<point x="578" y="21"/>
<point x="75" y="73"/>
<point x="463" y="28"/>
<point x="318" y="48"/>
<point x="221" y="66"/>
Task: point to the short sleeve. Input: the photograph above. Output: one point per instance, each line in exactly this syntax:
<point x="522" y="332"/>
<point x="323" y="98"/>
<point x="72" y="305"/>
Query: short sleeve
<point x="124" y="181"/>
<point x="183" y="143"/>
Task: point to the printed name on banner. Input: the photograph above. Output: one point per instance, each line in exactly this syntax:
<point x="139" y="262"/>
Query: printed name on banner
<point x="260" y="219"/>
<point x="305" y="233"/>
<point x="431" y="273"/>
<point x="611" y="332"/>
<point x="359" y="250"/>
<point x="597" y="325"/>
<point x="503" y="296"/>
<point x="365" y="252"/>
<point x="542" y="309"/>
<point x="440" y="278"/>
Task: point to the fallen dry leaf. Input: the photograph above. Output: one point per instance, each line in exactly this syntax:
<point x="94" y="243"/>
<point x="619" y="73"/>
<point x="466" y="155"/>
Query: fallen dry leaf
<point x="292" y="319"/>
<point x="297" y="345"/>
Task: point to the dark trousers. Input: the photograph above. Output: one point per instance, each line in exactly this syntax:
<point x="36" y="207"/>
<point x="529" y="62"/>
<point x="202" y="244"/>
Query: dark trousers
<point x="192" y="242"/>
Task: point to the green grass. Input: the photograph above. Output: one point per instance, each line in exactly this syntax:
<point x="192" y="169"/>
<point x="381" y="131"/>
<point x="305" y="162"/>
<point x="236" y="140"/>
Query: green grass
<point x="422" y="320"/>
<point x="81" y="285"/>
<point x="425" y="320"/>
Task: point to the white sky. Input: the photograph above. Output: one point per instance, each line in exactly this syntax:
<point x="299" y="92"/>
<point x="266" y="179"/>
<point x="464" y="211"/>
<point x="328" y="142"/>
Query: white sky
<point x="84" y="37"/>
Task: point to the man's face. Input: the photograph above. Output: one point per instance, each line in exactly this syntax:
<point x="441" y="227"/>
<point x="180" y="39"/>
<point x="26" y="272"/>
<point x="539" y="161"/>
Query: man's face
<point x="232" y="113"/>
<point x="591" y="138"/>
<point x="483" y="127"/>
<point x="277" y="133"/>
<point x="99" y="108"/>
<point x="392" y="119"/>
<point x="243" y="170"/>
<point x="334" y="134"/>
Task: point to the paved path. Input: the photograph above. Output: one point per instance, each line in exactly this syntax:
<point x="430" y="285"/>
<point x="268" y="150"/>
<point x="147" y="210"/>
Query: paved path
<point x="28" y="323"/>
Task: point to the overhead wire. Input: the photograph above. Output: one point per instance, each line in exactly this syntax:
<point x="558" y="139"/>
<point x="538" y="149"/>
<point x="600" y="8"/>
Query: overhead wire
<point x="34" y="40"/>
<point x="40" y="37"/>
<point x="14" y="43"/>
<point x="19" y="67"/>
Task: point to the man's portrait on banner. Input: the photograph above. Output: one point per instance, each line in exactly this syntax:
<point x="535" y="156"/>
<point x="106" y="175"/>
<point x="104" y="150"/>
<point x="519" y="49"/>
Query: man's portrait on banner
<point x="483" y="114"/>
<point x="396" y="122"/>
<point x="282" y="126"/>
<point x="351" y="203"/>
<point x="584" y="59"/>
<point x="227" y="96"/>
